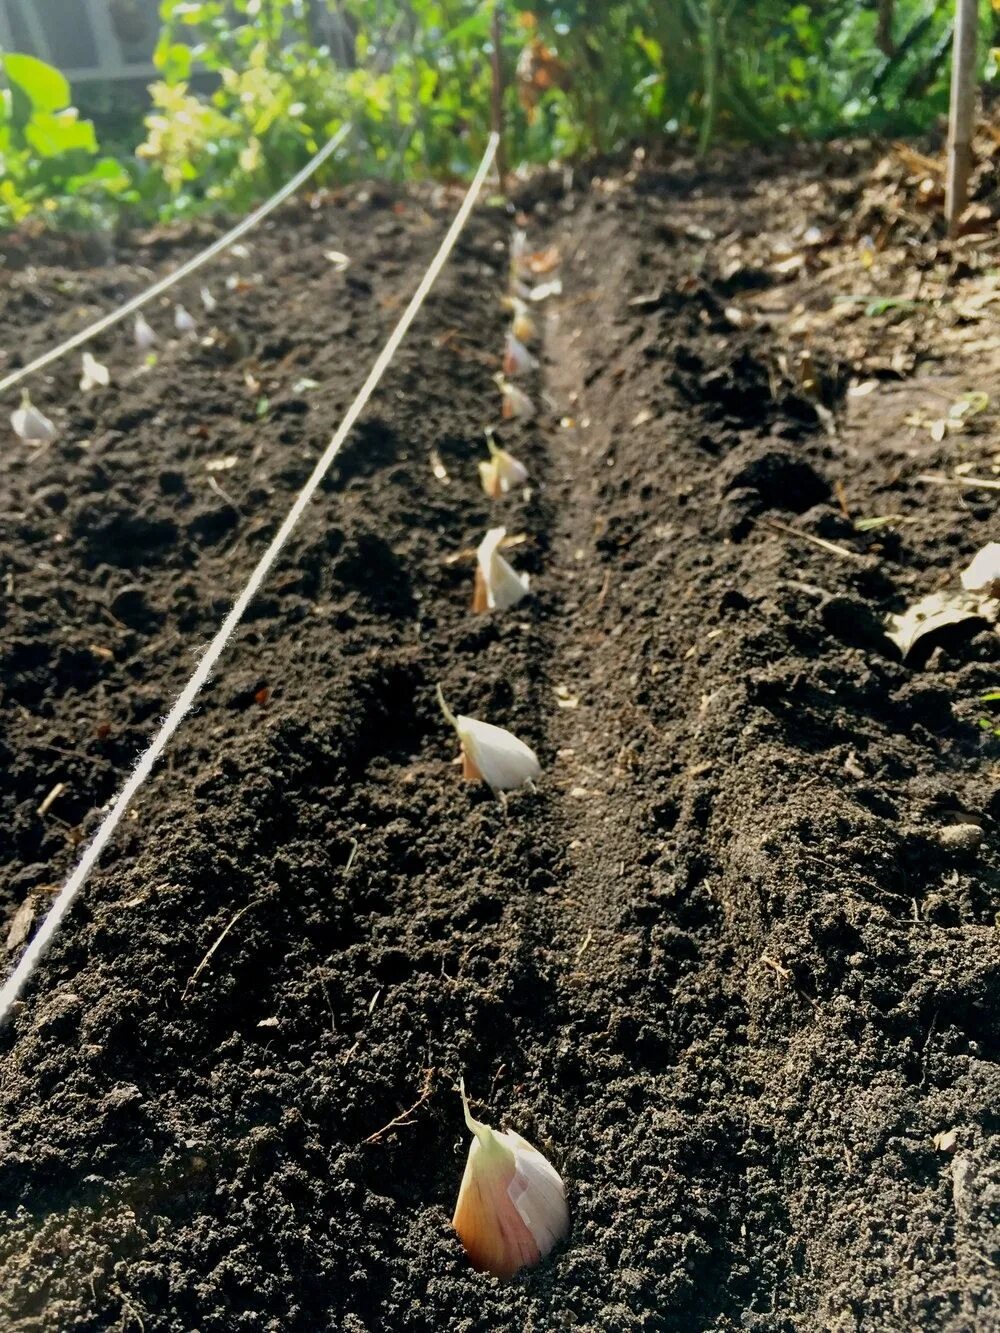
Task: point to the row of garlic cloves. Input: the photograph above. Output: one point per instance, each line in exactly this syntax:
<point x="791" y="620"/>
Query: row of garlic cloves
<point x="511" y="1207"/>
<point x="30" y="423"/>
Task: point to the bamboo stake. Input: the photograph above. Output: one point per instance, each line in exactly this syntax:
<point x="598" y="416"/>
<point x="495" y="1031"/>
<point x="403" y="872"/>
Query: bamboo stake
<point x="963" y="98"/>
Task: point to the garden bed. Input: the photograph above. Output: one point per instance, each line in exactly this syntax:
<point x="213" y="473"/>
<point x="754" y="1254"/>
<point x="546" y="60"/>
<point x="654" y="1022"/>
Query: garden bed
<point x="726" y="966"/>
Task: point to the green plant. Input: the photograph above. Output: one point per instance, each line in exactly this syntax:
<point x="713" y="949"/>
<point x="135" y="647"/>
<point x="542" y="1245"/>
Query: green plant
<point x="49" y="161"/>
<point x="274" y="101"/>
<point x="249" y="89"/>
<point x="990" y="724"/>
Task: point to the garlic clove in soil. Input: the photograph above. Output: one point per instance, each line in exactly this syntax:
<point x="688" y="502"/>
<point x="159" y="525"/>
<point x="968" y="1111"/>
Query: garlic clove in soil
<point x="208" y="300"/>
<point x="511" y="1207"/>
<point x="183" y="320"/>
<point x="94" y="374"/>
<point x="498" y="586"/>
<point x="984" y="570"/>
<point x="517" y="360"/>
<point x="516" y="403"/>
<point x="491" y="754"/>
<point x="522" y="325"/>
<point x="523" y="328"/>
<point x="546" y="289"/>
<point x="502" y="472"/>
<point x="143" y="334"/>
<point x="518" y="250"/>
<point x="31" y="425"/>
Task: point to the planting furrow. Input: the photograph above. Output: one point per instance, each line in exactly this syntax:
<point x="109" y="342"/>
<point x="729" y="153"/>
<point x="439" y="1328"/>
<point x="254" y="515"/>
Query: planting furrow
<point x="745" y="978"/>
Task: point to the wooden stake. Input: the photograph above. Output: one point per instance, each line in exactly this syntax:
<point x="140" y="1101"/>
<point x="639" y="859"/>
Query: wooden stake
<point x="963" y="100"/>
<point x="497" y="96"/>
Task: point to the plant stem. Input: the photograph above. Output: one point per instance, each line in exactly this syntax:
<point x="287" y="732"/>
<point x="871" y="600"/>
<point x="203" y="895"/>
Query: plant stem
<point x="711" y="77"/>
<point x="963" y="97"/>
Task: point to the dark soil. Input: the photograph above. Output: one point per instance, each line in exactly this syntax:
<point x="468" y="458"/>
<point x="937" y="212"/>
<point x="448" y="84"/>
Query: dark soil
<point x="725" y="966"/>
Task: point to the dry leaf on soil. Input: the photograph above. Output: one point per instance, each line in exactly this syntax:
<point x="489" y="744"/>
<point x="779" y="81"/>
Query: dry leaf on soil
<point x="934" y="612"/>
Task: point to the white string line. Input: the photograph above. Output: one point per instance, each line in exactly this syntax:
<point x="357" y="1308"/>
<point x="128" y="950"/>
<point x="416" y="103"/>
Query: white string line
<point x="187" y="268"/>
<point x="64" y="899"/>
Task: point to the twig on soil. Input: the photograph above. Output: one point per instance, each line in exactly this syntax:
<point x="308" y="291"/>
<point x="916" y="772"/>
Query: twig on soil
<point x="927" y="1049"/>
<point x="51" y="799"/>
<point x="350" y="860"/>
<point x="318" y="972"/>
<point x="821" y="542"/>
<point x="972" y="483"/>
<point x="786" y="976"/>
<point x="224" y="495"/>
<point x="585" y="945"/>
<point x="404" y="1116"/>
<point x="782" y="972"/>
<point x="225" y="931"/>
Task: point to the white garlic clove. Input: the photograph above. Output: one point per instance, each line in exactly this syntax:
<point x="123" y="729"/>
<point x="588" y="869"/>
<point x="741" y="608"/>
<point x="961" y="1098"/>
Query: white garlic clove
<point x="516" y="403"/>
<point x="498" y="585"/>
<point x="31" y="425"/>
<point x="984" y="570"/>
<point x="517" y="360"/>
<point x="95" y="375"/>
<point x="502" y="473"/>
<point x="143" y="334"/>
<point x="502" y="761"/>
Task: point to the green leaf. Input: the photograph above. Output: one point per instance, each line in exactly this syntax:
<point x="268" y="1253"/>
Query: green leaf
<point x="45" y="87"/>
<point x="476" y="28"/>
<point x="51" y="135"/>
<point x="174" y="59"/>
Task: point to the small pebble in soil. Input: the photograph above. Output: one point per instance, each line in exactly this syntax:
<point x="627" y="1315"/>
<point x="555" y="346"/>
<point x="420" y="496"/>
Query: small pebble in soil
<point x="961" y="837"/>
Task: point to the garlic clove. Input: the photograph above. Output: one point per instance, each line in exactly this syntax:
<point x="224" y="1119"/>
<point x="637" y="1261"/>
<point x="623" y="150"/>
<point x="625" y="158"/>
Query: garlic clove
<point x="546" y="289"/>
<point x="31" y="425"/>
<point x="516" y="403"/>
<point x="517" y="360"/>
<point x="498" y="585"/>
<point x="143" y="334"/>
<point x="522" y="325"/>
<point x="207" y="299"/>
<point x="502" y="473"/>
<point x="511" y="1207"/>
<point x="502" y="761"/>
<point x="183" y="320"/>
<point x="518" y="250"/>
<point x="94" y="374"/>
<point x="523" y="328"/>
<point x="984" y="570"/>
<point x="489" y="476"/>
<point x="480" y="600"/>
